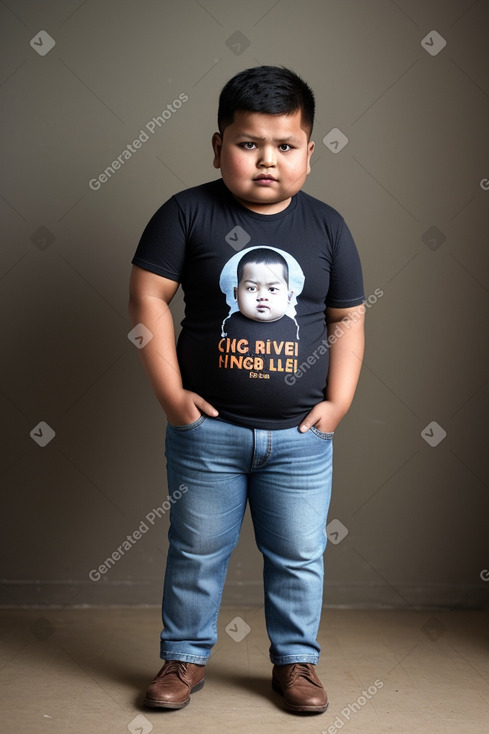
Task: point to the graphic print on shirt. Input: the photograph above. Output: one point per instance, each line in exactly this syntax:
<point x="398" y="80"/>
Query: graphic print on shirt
<point x="260" y="335"/>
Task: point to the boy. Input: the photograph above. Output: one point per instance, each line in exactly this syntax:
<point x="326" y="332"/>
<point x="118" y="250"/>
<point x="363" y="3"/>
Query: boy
<point x="271" y="443"/>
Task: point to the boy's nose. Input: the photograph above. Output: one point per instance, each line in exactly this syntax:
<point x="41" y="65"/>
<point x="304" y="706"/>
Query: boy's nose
<point x="268" y="159"/>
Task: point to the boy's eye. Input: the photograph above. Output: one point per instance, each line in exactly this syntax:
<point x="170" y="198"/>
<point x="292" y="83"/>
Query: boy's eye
<point x="248" y="145"/>
<point x="273" y="289"/>
<point x="285" y="147"/>
<point x="251" y="288"/>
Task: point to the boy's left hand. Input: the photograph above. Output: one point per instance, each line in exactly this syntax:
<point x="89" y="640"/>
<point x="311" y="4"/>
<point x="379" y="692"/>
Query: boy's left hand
<point x="325" y="416"/>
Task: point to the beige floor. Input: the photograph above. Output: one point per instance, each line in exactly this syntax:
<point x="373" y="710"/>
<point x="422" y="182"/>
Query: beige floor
<point x="83" y="670"/>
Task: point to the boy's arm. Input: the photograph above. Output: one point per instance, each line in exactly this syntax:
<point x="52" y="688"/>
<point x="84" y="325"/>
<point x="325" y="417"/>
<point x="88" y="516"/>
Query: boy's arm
<point x="345" y="362"/>
<point x="149" y="300"/>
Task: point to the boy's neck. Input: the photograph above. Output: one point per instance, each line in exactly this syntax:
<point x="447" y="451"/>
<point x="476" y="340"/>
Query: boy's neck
<point x="274" y="208"/>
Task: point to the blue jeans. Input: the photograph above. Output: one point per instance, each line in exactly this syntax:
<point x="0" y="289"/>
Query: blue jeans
<point x="214" y="468"/>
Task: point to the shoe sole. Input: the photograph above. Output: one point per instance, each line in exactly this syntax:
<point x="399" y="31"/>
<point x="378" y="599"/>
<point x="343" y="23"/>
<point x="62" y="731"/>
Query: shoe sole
<point x="296" y="708"/>
<point x="152" y="703"/>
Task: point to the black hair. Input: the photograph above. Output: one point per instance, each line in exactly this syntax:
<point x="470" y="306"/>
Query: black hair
<point x="265" y="256"/>
<point x="273" y="90"/>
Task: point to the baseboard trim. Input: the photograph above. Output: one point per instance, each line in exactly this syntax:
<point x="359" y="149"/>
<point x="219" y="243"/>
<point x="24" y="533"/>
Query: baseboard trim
<point x="108" y="593"/>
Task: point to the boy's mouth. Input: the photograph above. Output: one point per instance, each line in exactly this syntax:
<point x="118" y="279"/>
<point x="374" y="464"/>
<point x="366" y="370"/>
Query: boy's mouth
<point x="264" y="177"/>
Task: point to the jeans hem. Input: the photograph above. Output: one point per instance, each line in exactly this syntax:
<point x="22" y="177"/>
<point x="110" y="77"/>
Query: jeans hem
<point x="288" y="659"/>
<point x="184" y="657"/>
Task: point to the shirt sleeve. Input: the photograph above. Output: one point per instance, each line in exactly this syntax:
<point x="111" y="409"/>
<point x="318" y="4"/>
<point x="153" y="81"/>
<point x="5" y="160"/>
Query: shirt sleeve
<point x="161" y="249"/>
<point x="346" y="279"/>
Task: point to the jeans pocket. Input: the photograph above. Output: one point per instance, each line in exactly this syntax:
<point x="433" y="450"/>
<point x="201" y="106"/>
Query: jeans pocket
<point x="189" y="426"/>
<point x="320" y="434"/>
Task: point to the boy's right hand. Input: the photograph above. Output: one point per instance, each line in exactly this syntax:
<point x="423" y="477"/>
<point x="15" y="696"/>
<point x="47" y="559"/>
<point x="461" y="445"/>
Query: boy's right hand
<point x="187" y="407"/>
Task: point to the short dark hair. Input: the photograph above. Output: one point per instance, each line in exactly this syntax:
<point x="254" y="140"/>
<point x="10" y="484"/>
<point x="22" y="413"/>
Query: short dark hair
<point x="273" y="90"/>
<point x="265" y="256"/>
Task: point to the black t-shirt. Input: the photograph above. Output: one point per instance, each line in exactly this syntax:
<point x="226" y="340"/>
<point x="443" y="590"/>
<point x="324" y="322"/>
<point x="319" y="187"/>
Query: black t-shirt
<point x="253" y="341"/>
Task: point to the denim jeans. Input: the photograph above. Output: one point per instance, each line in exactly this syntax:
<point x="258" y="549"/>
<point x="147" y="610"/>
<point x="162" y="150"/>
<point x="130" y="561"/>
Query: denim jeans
<point x="286" y="477"/>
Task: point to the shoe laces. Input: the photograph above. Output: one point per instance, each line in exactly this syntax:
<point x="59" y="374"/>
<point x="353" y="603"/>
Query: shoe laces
<point x="179" y="667"/>
<point x="298" y="670"/>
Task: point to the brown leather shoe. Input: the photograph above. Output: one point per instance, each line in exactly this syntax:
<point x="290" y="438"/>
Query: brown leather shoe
<point x="172" y="686"/>
<point x="301" y="688"/>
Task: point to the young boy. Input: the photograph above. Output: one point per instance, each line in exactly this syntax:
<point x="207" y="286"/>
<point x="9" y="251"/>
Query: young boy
<point x="268" y="443"/>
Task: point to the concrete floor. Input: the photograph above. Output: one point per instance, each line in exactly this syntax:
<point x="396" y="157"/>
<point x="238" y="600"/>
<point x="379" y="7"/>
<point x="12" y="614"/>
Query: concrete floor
<point x="85" y="670"/>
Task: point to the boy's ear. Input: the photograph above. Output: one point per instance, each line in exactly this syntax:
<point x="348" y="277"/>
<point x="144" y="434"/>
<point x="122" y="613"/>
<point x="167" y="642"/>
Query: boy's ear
<point x="310" y="150"/>
<point x="216" y="147"/>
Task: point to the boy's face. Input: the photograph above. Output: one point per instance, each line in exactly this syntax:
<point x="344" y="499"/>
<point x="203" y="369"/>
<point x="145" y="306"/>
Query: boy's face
<point x="262" y="293"/>
<point x="264" y="159"/>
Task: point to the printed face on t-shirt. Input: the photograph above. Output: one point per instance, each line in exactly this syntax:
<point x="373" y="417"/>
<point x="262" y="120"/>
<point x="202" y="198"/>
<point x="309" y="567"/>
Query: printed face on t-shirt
<point x="262" y="293"/>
